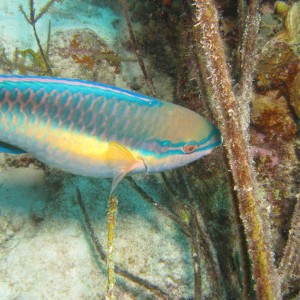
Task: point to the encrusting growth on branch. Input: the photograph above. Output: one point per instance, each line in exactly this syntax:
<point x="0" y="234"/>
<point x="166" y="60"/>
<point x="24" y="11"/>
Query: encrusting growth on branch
<point x="231" y="120"/>
<point x="292" y="249"/>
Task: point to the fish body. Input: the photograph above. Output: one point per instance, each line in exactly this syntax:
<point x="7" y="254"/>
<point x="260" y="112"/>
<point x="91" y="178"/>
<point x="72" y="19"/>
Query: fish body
<point x="96" y="130"/>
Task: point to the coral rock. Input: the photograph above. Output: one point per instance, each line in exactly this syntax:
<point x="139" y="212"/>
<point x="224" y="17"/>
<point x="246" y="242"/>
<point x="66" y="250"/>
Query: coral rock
<point x="81" y="53"/>
<point x="271" y="116"/>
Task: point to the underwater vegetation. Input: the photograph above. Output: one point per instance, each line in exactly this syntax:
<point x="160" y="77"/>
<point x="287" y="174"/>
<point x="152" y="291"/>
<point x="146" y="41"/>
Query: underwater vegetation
<point x="28" y="60"/>
<point x="32" y="19"/>
<point x="232" y="110"/>
<point x="237" y="66"/>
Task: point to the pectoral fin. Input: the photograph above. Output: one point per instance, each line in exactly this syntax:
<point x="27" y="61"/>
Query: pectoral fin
<point x="126" y="162"/>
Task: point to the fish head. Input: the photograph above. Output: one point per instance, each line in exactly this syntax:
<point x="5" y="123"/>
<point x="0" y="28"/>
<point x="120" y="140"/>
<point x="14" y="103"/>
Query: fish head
<point x="181" y="137"/>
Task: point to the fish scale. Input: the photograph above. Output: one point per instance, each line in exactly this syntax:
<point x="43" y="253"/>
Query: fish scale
<point x="97" y="130"/>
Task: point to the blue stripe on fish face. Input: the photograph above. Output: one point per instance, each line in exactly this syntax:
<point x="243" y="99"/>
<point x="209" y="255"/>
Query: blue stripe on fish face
<point x="178" y="158"/>
<point x="162" y="149"/>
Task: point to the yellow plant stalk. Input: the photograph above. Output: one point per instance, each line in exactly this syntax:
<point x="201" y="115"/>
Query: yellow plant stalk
<point x="111" y="219"/>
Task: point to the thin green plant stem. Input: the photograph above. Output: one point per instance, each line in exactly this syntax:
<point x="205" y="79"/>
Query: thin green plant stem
<point x="100" y="251"/>
<point x="44" y="9"/>
<point x="49" y="70"/>
<point x="208" y="250"/>
<point x="111" y="220"/>
<point x="196" y="256"/>
<point x="32" y="19"/>
<point x="230" y="119"/>
<point x="48" y="38"/>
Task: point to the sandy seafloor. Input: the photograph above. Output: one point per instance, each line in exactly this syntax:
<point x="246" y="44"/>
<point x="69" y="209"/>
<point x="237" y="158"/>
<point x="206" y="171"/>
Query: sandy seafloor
<point x="45" y="252"/>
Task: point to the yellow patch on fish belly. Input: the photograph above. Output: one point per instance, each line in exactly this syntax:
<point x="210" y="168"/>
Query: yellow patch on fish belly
<point x="78" y="145"/>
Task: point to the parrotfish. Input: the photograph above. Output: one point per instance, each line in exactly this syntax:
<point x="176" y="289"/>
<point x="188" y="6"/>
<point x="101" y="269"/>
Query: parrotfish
<point x="97" y="130"/>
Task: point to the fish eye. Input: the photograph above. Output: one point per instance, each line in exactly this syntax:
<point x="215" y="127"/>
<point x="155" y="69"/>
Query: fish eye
<point x="189" y="148"/>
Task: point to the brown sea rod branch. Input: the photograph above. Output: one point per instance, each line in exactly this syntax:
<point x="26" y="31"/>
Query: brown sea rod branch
<point x="249" y="40"/>
<point x="168" y="185"/>
<point x="291" y="254"/>
<point x="241" y="7"/>
<point x="248" y="59"/>
<point x="136" y="48"/>
<point x="205" y="245"/>
<point x="202" y="71"/>
<point x="230" y="120"/>
<point x="242" y="246"/>
<point x="122" y="272"/>
<point x="242" y="10"/>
